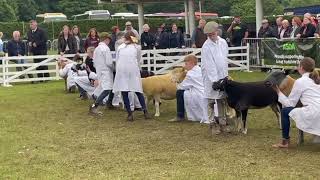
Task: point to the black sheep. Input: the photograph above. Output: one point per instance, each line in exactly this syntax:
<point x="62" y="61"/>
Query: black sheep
<point x="248" y="95"/>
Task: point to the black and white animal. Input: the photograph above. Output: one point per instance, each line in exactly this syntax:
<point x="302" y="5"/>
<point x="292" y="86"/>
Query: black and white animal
<point x="248" y="95"/>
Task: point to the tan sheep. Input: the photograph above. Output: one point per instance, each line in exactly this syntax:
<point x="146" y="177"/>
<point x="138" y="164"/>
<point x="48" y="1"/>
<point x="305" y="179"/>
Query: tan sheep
<point x="162" y="86"/>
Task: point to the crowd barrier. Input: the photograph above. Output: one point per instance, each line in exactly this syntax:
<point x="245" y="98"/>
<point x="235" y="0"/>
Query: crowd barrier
<point x="159" y="61"/>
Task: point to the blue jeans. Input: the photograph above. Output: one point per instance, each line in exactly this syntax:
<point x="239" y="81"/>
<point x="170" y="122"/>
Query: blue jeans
<point x="126" y="101"/>
<point x="285" y="121"/>
<point x="180" y="103"/>
<point x="103" y="95"/>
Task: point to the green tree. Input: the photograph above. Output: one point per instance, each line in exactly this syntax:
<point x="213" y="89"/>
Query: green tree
<point x="72" y="7"/>
<point x="7" y="12"/>
<point x="26" y="9"/>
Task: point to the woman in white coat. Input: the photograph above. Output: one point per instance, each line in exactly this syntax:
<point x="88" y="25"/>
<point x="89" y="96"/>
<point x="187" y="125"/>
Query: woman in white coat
<point x="190" y="94"/>
<point x="214" y="66"/>
<point x="128" y="78"/>
<point x="102" y="61"/>
<point x="307" y="90"/>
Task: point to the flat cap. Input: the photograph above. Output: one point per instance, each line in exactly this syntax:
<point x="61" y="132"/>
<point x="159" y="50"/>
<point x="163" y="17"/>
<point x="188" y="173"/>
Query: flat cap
<point x="210" y="27"/>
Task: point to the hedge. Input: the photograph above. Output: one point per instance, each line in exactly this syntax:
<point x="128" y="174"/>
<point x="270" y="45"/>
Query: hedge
<point x="54" y="28"/>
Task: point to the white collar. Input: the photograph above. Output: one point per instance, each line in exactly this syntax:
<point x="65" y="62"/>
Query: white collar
<point x="306" y="74"/>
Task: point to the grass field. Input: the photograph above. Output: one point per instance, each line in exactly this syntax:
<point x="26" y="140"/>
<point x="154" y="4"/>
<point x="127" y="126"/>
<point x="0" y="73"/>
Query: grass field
<point x="47" y="134"/>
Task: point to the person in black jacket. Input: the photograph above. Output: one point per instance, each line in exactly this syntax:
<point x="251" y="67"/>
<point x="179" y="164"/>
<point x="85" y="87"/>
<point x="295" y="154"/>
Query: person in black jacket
<point x="37" y="43"/>
<point x="176" y="39"/>
<point x="162" y="38"/>
<point x="67" y="44"/>
<point x="77" y="35"/>
<point x="16" y="47"/>
<point x="265" y="30"/>
<point x="147" y="39"/>
<point x="307" y="30"/>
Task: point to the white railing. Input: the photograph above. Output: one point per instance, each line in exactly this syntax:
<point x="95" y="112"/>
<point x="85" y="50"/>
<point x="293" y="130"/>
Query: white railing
<point x="159" y="61"/>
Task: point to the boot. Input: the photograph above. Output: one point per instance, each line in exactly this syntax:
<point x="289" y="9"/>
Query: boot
<point x="146" y="115"/>
<point x="130" y="117"/>
<point x="283" y="144"/>
<point x="110" y="106"/>
<point x="72" y="89"/>
<point x="94" y="110"/>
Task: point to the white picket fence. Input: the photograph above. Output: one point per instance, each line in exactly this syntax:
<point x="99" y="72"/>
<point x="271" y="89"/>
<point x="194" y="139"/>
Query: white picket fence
<point x="159" y="61"/>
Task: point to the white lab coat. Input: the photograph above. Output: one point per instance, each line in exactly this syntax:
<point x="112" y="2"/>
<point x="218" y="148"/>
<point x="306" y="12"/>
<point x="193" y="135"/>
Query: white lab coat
<point x="214" y="66"/>
<point x="67" y="72"/>
<point x="84" y="83"/>
<point x="128" y="76"/>
<point x="307" y="118"/>
<point x="196" y="105"/>
<point x="102" y="61"/>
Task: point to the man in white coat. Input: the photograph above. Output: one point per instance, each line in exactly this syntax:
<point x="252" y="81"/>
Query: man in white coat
<point x="102" y="61"/>
<point x="190" y="94"/>
<point x="214" y="67"/>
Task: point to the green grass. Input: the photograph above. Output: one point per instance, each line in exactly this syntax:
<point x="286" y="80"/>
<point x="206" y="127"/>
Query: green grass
<point x="47" y="134"/>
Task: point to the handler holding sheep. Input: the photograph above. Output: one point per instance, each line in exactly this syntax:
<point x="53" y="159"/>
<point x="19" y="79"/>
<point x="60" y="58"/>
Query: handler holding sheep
<point x="128" y="78"/>
<point x="215" y="67"/>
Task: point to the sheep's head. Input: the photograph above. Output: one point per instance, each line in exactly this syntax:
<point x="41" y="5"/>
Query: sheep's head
<point x="145" y="74"/>
<point x="276" y="77"/>
<point x="221" y="84"/>
<point x="178" y="74"/>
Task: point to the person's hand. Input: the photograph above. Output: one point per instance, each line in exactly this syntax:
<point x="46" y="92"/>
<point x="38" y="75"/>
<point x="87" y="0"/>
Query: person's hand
<point x="316" y="35"/>
<point x="19" y="54"/>
<point x="276" y="88"/>
<point x="30" y="43"/>
<point x="61" y="53"/>
<point x="194" y="46"/>
<point x="34" y="44"/>
<point x="298" y="35"/>
<point x="96" y="83"/>
<point x="88" y="69"/>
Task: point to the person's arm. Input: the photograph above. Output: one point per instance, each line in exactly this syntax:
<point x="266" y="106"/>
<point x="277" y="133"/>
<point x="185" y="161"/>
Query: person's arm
<point x="23" y="49"/>
<point x="63" y="72"/>
<point x="230" y="27"/>
<point x="82" y="73"/>
<point x="85" y="45"/>
<point x="209" y="67"/>
<point x="60" y="46"/>
<point x="246" y="33"/>
<point x="186" y="84"/>
<point x="42" y="41"/>
<point x="294" y="96"/>
<point x="182" y="40"/>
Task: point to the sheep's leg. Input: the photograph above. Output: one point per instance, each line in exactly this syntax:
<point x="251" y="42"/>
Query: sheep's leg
<point x="276" y="108"/>
<point x="157" y="105"/>
<point x="238" y="124"/>
<point x="244" y="114"/>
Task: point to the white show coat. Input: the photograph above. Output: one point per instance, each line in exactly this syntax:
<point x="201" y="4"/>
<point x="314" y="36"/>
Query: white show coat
<point x="85" y="84"/>
<point x="196" y="105"/>
<point x="214" y="66"/>
<point x="102" y="61"/>
<point x="67" y="71"/>
<point x="307" y="118"/>
<point x="128" y="76"/>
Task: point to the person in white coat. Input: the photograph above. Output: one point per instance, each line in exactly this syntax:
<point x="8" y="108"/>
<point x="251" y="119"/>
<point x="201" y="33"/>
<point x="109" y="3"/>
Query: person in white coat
<point x="214" y="67"/>
<point x="102" y="61"/>
<point x="68" y="69"/>
<point x="128" y="78"/>
<point x="190" y="94"/>
<point x="307" y="90"/>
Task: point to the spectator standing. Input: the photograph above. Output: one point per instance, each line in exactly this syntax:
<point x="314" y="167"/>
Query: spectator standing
<point x="162" y="38"/>
<point x="265" y="30"/>
<point x="147" y="39"/>
<point x="16" y="47"/>
<point x="1" y="42"/>
<point x="115" y="30"/>
<point x="286" y="30"/>
<point x="37" y="42"/>
<point x="296" y="26"/>
<point x="278" y="27"/>
<point x="67" y="44"/>
<point x="238" y="31"/>
<point x="214" y="66"/>
<point x="77" y="35"/>
<point x="307" y="30"/>
<point x="176" y="39"/>
<point x="198" y="36"/>
<point x="92" y="39"/>
<point x="311" y="18"/>
<point x="128" y="78"/>
<point x="317" y="34"/>
<point x="129" y="28"/>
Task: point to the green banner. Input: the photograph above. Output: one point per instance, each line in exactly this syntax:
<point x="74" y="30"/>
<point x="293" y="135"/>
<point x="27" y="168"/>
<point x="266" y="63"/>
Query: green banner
<point x="289" y="52"/>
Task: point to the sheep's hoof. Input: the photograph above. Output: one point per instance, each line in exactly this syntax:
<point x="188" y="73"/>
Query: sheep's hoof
<point x="157" y="115"/>
<point x="245" y="131"/>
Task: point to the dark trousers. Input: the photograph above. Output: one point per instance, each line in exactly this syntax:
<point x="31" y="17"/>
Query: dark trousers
<point x="81" y="90"/>
<point x="285" y="121"/>
<point x="180" y="103"/>
<point x="126" y="101"/>
<point x="103" y="95"/>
